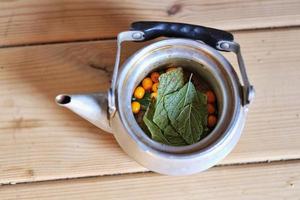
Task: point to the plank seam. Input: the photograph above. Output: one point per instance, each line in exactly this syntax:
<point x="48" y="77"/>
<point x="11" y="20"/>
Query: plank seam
<point x="267" y="162"/>
<point x="114" y="38"/>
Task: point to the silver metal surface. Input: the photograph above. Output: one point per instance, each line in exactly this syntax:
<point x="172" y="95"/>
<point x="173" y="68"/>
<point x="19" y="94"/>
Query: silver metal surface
<point x="112" y="112"/>
<point x="214" y="69"/>
<point x="92" y="107"/>
<point x="248" y="89"/>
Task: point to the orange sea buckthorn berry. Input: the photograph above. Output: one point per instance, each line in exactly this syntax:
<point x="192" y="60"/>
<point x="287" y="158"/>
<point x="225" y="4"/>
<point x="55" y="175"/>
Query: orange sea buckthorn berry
<point x="139" y="92"/>
<point x="210" y="108"/>
<point x="211" y="121"/>
<point x="171" y="69"/>
<point x="211" y="98"/>
<point x="135" y="106"/>
<point x="153" y="95"/>
<point x="155" y="87"/>
<point x="154" y="77"/>
<point x="147" y="83"/>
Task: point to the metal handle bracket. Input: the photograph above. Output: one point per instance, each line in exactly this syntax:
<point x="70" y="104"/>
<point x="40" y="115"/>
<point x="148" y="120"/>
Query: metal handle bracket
<point x="247" y="88"/>
<point x="122" y="37"/>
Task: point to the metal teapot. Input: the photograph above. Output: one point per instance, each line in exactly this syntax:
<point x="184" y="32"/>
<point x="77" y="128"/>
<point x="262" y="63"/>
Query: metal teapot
<point x="189" y="46"/>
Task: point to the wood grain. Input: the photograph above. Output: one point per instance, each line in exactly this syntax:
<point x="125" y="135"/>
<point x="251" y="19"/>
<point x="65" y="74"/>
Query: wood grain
<point x="40" y="141"/>
<point x="263" y="181"/>
<point x="33" y="21"/>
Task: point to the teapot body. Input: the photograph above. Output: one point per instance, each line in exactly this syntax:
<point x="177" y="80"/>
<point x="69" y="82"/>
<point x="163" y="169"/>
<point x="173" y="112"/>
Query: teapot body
<point x="112" y="112"/>
<point x="215" y="69"/>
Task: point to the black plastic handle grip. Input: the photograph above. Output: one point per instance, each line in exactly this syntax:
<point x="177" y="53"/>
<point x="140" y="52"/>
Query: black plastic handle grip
<point x="208" y="35"/>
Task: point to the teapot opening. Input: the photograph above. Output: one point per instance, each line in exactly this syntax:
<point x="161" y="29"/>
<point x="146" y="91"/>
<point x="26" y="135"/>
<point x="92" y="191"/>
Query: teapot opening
<point x="197" y="60"/>
<point x="63" y="99"/>
<point x="184" y="70"/>
<point x="200" y="70"/>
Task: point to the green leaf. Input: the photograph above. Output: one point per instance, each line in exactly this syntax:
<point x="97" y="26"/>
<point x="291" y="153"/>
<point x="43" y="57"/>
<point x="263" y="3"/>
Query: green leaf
<point x="188" y="124"/>
<point x="179" y="115"/>
<point x="184" y="110"/>
<point x="173" y="136"/>
<point x="168" y="82"/>
<point x="145" y="101"/>
<point x="176" y="101"/>
<point x="202" y="101"/>
<point x="156" y="133"/>
<point x="169" y="136"/>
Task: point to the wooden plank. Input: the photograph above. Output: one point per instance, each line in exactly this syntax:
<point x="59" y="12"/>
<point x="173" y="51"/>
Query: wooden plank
<point x="259" y="181"/>
<point x="39" y="138"/>
<point x="40" y="141"/>
<point x="34" y="21"/>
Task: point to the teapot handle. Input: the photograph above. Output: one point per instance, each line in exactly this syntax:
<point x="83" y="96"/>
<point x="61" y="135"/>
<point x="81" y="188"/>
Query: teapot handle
<point x="210" y="36"/>
<point x="147" y="30"/>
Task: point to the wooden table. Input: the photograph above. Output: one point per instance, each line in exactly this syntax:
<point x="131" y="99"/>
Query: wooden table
<point x="50" y="47"/>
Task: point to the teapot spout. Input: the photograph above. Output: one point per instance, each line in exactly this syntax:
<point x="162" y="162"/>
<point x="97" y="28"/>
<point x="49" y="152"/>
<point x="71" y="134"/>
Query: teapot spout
<point x="92" y="107"/>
